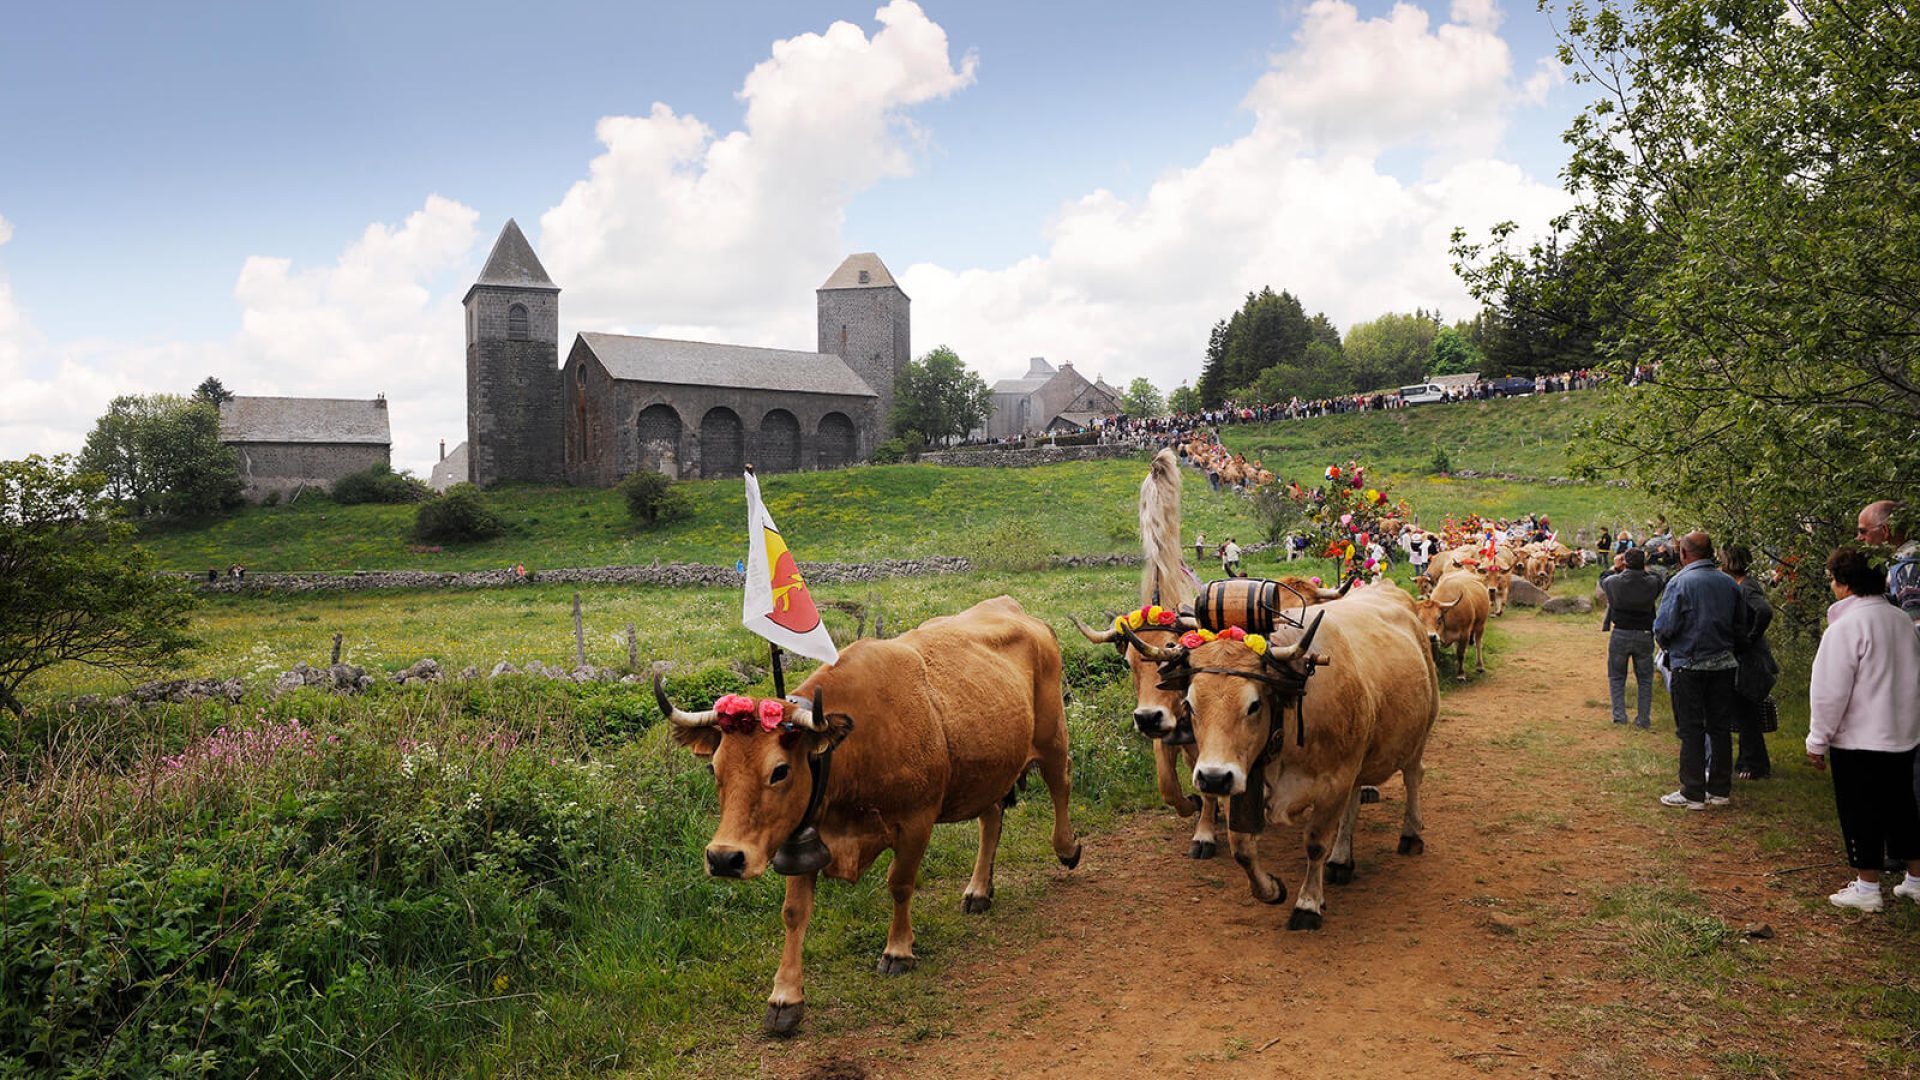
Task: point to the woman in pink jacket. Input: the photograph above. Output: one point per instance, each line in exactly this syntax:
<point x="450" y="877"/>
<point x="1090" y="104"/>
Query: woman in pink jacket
<point x="1865" y="695"/>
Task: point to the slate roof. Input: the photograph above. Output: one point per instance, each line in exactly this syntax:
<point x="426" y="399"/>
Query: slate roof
<point x="513" y="262"/>
<point x="305" y="420"/>
<point x="848" y="275"/>
<point x="701" y="363"/>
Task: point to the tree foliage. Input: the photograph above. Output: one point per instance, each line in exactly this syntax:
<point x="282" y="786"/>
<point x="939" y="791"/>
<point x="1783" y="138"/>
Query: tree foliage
<point x="653" y="498"/>
<point x="1143" y="399"/>
<point x="1390" y="351"/>
<point x="73" y="587"/>
<point x="457" y="515"/>
<point x="1184" y="399"/>
<point x="939" y="399"/>
<point x="161" y="455"/>
<point x="379" y="484"/>
<point x="1270" y="330"/>
<point x="1454" y="353"/>
<point x="1746" y="183"/>
<point x="212" y="391"/>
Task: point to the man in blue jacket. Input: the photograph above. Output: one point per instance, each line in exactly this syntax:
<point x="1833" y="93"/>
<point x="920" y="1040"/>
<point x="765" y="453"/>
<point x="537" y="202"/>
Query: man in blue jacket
<point x="1701" y="625"/>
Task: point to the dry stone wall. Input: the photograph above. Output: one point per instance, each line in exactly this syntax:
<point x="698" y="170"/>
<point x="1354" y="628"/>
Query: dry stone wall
<point x="1015" y="457"/>
<point x="671" y="575"/>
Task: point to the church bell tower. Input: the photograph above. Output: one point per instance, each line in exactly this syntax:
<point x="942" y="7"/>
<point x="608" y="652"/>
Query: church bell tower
<point x="514" y="413"/>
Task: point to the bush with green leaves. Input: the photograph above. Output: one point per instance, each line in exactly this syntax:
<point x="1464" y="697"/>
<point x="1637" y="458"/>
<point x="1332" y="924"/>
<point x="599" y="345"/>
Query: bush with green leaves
<point x="457" y="515"/>
<point x="379" y="484"/>
<point x="654" y="499"/>
<point x="899" y="449"/>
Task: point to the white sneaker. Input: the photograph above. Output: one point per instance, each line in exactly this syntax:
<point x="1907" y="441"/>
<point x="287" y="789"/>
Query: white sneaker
<point x="1854" y="896"/>
<point x="1679" y="799"/>
<point x="1718" y="800"/>
<point x="1910" y="888"/>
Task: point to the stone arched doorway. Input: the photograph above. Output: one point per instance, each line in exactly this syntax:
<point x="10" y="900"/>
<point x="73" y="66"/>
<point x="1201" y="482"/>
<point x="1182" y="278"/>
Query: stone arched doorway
<point x="658" y="434"/>
<point x="779" y="443"/>
<point x="723" y="444"/>
<point x="836" y="441"/>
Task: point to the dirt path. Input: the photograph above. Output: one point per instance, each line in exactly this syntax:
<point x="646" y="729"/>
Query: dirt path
<point x="1458" y="962"/>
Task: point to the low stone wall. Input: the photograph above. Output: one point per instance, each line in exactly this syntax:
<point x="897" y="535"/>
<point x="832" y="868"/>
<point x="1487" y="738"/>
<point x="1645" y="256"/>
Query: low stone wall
<point x="1014" y="457"/>
<point x="671" y="575"/>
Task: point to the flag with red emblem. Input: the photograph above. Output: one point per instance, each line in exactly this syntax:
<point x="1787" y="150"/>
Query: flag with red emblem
<point x="778" y="606"/>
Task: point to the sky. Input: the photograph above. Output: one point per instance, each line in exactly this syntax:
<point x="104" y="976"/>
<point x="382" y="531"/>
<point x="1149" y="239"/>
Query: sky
<point x="294" y="198"/>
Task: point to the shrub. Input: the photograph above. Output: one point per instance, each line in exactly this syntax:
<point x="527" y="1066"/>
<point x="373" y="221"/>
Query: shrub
<point x="1441" y="463"/>
<point x="898" y="449"/>
<point x="1012" y="545"/>
<point x="458" y="515"/>
<point x="653" y="499"/>
<point x="379" y="484"/>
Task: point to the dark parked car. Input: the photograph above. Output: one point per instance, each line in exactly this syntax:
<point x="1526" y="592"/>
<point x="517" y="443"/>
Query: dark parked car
<point x="1511" y="386"/>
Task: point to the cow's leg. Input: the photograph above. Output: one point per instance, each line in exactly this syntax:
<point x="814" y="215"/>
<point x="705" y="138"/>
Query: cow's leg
<point x="1340" y="862"/>
<point x="1460" y="660"/>
<point x="785" y="1006"/>
<point x="1166" y="777"/>
<point x="979" y="894"/>
<point x="1479" y="659"/>
<point x="897" y="958"/>
<point x="1411" y="825"/>
<point x="1246" y="851"/>
<point x="1206" y="830"/>
<point x="1321" y="831"/>
<point x="1056" y="769"/>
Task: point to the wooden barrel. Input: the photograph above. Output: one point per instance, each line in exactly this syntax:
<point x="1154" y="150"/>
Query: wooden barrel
<point x="1251" y="604"/>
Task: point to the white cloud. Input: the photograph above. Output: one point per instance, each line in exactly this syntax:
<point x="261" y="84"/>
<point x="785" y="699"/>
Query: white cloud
<point x="677" y="225"/>
<point x="1130" y="288"/>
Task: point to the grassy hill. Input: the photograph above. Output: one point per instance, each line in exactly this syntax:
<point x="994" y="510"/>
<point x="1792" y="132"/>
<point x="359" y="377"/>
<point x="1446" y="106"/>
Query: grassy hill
<point x="904" y="511"/>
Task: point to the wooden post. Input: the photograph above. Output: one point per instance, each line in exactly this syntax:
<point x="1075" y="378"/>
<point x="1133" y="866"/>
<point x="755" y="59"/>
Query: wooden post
<point x="779" y="673"/>
<point x="633" y="650"/>
<point x="336" y="651"/>
<point x="579" y="636"/>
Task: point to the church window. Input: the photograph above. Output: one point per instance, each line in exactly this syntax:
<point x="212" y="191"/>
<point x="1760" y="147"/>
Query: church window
<point x="866" y="277"/>
<point x="517" y="322"/>
<point x="843" y="339"/>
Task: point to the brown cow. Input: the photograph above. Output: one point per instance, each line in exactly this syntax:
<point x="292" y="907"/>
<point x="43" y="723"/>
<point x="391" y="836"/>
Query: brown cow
<point x="1540" y="570"/>
<point x="1361" y="719"/>
<point x="933" y="726"/>
<point x="1456" y="615"/>
<point x="1499" y="583"/>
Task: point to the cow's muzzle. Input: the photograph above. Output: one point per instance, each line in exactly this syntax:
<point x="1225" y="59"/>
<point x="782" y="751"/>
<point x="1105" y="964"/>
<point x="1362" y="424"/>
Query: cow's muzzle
<point x="726" y="862"/>
<point x="1214" y="781"/>
<point x="1152" y="722"/>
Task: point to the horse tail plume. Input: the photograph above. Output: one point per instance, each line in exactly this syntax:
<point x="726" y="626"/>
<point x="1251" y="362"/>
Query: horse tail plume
<point x="1163" y="580"/>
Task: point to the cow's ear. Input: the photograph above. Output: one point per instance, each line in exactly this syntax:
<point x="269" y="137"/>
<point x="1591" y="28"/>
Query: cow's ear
<point x="703" y="741"/>
<point x="839" y="726"/>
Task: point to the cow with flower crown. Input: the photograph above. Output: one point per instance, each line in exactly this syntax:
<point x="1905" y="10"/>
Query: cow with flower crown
<point x="870" y="752"/>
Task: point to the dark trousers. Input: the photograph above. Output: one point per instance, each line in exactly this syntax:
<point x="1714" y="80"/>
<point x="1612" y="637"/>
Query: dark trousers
<point x="1752" y="758"/>
<point x="1637" y="646"/>
<point x="1703" y="715"/>
<point x="1873" y="791"/>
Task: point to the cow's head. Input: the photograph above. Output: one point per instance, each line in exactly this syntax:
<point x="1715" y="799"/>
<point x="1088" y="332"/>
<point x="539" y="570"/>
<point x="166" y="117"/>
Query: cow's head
<point x="763" y="769"/>
<point x="1236" y="694"/>
<point x="1433" y="615"/>
<point x="1156" y="710"/>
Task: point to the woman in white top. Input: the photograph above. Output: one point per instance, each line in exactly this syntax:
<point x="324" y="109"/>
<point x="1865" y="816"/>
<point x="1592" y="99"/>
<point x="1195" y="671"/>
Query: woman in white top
<point x="1865" y="720"/>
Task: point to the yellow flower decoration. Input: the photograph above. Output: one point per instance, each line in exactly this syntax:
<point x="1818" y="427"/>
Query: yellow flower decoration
<point x="1256" y="643"/>
<point x="1137" y="620"/>
<point x="1372" y="495"/>
<point x="1207" y="635"/>
<point x="1119" y="622"/>
<point x="1153" y="613"/>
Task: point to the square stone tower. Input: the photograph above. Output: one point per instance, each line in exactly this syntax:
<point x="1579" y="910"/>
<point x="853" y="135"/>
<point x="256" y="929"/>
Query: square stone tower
<point x="865" y="321"/>
<point x="514" y="419"/>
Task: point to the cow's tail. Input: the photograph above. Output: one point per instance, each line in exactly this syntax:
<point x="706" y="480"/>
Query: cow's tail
<point x="1163" y="580"/>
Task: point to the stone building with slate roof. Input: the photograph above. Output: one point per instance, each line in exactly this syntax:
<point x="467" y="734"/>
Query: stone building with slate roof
<point x="1047" y="398"/>
<point x="285" y="444"/>
<point x="687" y="409"/>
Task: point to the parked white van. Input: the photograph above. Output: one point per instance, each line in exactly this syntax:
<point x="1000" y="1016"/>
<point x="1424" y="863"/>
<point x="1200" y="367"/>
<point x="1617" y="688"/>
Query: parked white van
<point x="1423" y="394"/>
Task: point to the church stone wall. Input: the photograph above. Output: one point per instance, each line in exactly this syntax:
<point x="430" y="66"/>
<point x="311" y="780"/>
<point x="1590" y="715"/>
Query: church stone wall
<point x="870" y="329"/>
<point x="514" y="419"/>
<point x="283" y="467"/>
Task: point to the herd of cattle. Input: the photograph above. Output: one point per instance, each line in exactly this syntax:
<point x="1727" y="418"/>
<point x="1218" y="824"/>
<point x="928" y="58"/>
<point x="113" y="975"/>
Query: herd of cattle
<point x="1287" y="703"/>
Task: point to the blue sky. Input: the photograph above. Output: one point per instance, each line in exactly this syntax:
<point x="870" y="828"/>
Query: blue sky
<point x="190" y="189"/>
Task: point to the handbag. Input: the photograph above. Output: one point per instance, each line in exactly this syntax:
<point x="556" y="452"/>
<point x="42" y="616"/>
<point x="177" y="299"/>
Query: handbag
<point x="1769" y="715"/>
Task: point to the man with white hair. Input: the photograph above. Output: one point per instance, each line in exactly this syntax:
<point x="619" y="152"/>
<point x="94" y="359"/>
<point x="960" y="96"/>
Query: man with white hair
<point x="1879" y="524"/>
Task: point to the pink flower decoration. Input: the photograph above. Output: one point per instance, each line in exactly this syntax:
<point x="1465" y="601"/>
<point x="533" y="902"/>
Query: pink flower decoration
<point x="1192" y="639"/>
<point x="771" y="713"/>
<point x="1167" y="618"/>
<point x="1234" y="633"/>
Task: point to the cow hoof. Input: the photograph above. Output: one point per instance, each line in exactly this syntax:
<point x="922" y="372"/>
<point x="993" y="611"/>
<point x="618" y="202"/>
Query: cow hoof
<point x="782" y="1019"/>
<point x="1202" y="849"/>
<point x="895" y="965"/>
<point x="1412" y="845"/>
<point x="1303" y="919"/>
<point x="1339" y="873"/>
<point x="1193" y="806"/>
<point x="1073" y="860"/>
<point x="1369" y="794"/>
<point x="976" y="905"/>
<point x="1279" y="894"/>
<point x="1462" y="677"/>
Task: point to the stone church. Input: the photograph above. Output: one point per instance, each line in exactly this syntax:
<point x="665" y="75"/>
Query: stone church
<point x="1047" y="398"/>
<point x="688" y="409"/>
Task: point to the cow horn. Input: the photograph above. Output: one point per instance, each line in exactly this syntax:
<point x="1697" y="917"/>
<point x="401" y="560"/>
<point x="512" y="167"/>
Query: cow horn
<point x="1450" y="607"/>
<point x="1152" y="652"/>
<point x="1324" y="595"/>
<point x="1283" y="653"/>
<point x="680" y="719"/>
<point x="1098" y="637"/>
<point x="813" y="719"/>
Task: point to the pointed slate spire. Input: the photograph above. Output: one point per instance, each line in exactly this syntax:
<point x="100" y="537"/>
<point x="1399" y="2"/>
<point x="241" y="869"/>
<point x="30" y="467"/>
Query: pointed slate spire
<point x="514" y="263"/>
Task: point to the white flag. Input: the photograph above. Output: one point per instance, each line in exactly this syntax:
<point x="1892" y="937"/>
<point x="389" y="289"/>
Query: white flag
<point x="777" y="605"/>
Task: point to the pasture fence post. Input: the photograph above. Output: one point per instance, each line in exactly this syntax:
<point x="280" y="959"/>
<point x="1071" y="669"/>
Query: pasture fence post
<point x="336" y="650"/>
<point x="579" y="636"/>
<point x="633" y="650"/>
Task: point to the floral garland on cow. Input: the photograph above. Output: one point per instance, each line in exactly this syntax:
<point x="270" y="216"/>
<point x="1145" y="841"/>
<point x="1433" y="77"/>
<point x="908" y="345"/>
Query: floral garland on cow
<point x="1348" y="512"/>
